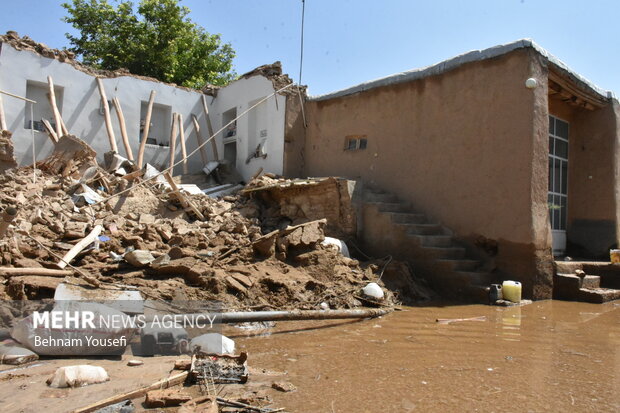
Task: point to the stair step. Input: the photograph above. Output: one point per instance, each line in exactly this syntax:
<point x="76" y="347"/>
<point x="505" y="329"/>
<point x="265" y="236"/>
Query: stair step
<point x="425" y="229"/>
<point x="461" y="265"/>
<point x="409" y="218"/>
<point x="480" y="278"/>
<point x="433" y="240"/>
<point x="591" y="281"/>
<point x="393" y="206"/>
<point x="446" y="252"/>
<point x="371" y="196"/>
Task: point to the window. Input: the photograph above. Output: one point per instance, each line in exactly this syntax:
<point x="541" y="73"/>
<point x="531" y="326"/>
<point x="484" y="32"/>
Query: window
<point x="159" y="131"/>
<point x="258" y="119"/>
<point x="227" y="117"/>
<point x="355" y="142"/>
<point x="38" y="91"/>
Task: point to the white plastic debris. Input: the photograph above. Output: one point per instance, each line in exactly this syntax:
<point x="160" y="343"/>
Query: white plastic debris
<point x="210" y="167"/>
<point x="324" y="306"/>
<point x="212" y="343"/>
<point x="16" y="355"/>
<point x="338" y="244"/>
<point x="77" y="376"/>
<point x="139" y="258"/>
<point x="373" y="290"/>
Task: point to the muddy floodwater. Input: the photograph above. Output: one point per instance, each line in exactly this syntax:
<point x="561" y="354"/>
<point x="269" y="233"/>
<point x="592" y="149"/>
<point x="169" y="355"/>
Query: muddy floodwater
<point x="549" y="356"/>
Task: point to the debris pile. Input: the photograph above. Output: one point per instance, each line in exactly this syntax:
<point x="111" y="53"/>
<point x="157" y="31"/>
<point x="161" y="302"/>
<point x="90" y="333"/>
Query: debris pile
<point x="76" y="219"/>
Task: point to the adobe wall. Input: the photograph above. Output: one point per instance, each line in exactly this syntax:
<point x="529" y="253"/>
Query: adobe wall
<point x="468" y="147"/>
<point x="592" y="179"/>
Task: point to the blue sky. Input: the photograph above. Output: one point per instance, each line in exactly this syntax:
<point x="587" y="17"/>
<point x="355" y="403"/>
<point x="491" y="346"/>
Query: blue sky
<point x="351" y="41"/>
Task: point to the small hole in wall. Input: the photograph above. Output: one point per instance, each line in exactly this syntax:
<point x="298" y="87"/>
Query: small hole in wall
<point x="355" y="142"/>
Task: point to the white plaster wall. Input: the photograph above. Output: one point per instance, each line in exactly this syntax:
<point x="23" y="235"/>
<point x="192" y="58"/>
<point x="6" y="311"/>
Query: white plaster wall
<point x="242" y="94"/>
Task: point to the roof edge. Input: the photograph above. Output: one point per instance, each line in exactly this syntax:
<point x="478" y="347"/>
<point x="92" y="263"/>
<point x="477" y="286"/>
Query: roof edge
<point x="457" y="61"/>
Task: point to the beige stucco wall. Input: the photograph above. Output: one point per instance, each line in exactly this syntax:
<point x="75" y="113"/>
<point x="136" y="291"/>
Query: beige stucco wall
<point x="468" y="147"/>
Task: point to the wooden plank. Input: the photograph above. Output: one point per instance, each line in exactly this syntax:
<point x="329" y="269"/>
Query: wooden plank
<point x="147" y="127"/>
<point x="186" y="203"/>
<point x="161" y="384"/>
<point x="77" y="248"/>
<point x="200" y="140"/>
<point x="106" y="114"/>
<point x="50" y="131"/>
<point x="2" y="117"/>
<point x="7" y="272"/>
<point x="173" y="140"/>
<point x="210" y="127"/>
<point x="52" y="98"/>
<point x="121" y="121"/>
<point x="183" y="148"/>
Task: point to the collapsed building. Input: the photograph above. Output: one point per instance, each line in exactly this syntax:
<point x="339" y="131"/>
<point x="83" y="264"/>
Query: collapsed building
<point x="464" y="170"/>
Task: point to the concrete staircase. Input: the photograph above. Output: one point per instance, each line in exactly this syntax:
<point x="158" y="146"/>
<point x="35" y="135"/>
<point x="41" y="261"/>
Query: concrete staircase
<point x="392" y="227"/>
<point x="598" y="282"/>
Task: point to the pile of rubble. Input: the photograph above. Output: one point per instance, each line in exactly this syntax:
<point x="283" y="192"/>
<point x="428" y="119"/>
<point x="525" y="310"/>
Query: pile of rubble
<point x="164" y="242"/>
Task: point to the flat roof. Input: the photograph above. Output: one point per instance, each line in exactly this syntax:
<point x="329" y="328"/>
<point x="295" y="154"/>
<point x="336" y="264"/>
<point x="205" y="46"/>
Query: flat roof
<point x="469" y="57"/>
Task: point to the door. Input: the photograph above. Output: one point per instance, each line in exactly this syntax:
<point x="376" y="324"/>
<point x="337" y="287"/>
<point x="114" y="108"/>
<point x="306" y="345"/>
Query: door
<point x="558" y="182"/>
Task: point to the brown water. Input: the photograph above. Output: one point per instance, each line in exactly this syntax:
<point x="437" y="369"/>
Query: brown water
<point x="548" y="356"/>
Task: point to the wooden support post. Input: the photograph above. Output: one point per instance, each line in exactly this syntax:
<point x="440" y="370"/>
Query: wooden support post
<point x="210" y="127"/>
<point x="2" y="117"/>
<point x="55" y="111"/>
<point x="121" y="121"/>
<point x="201" y="142"/>
<point x="161" y="384"/>
<point x="77" y="248"/>
<point x="183" y="148"/>
<point x="147" y="127"/>
<point x="7" y="216"/>
<point x="50" y="131"/>
<point x="185" y="203"/>
<point x="106" y="113"/>
<point x="173" y="140"/>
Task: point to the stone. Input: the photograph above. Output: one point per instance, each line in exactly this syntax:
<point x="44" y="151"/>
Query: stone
<point x="283" y="386"/>
<point x="235" y="285"/>
<point x="166" y="398"/>
<point x="243" y="279"/>
<point x="139" y="258"/>
<point x="146" y="219"/>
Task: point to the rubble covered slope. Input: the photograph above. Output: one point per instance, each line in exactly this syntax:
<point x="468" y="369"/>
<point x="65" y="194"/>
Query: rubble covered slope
<point x="149" y="241"/>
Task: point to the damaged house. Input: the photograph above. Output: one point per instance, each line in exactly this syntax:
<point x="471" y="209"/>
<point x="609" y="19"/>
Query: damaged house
<point x="252" y="142"/>
<point x="480" y="168"/>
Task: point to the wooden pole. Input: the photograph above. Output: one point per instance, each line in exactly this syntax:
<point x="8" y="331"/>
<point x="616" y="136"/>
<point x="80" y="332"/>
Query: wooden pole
<point x="210" y="127"/>
<point x="147" y="127"/>
<point x="7" y="272"/>
<point x="77" y="248"/>
<point x="203" y="150"/>
<point x="50" y="130"/>
<point x="121" y="121"/>
<point x="161" y="384"/>
<point x="186" y="203"/>
<point x="2" y="117"/>
<point x="52" y="98"/>
<point x="106" y="113"/>
<point x="173" y="139"/>
<point x="183" y="148"/>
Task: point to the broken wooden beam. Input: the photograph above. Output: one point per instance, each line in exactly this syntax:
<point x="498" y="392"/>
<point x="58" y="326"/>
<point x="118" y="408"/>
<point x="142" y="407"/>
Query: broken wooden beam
<point x="106" y="114"/>
<point x="8" y="272"/>
<point x="182" y="139"/>
<point x="147" y="127"/>
<point x="50" y="131"/>
<point x="185" y="203"/>
<point x="7" y="216"/>
<point x="173" y="140"/>
<point x="77" y="248"/>
<point x="121" y="121"/>
<point x="200" y="141"/>
<point x="210" y="127"/>
<point x="55" y="111"/>
<point x="160" y="384"/>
